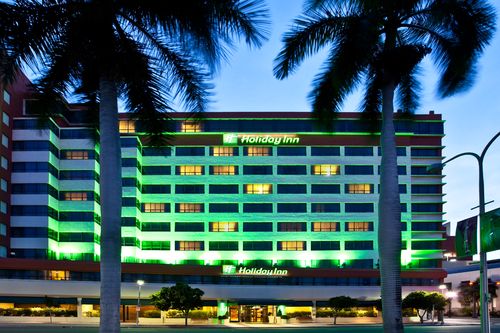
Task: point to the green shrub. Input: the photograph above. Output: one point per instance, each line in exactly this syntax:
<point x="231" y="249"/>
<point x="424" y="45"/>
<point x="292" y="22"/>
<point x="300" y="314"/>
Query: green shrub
<point x="348" y="314"/>
<point x="299" y="314"/>
<point x="152" y="314"/>
<point x="174" y="314"/>
<point x="198" y="314"/>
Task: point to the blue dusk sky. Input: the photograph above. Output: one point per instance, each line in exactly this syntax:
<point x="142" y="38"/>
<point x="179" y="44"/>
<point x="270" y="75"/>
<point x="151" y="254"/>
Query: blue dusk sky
<point x="246" y="83"/>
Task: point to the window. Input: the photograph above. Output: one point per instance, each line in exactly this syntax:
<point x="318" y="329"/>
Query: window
<point x="127" y="126"/>
<point x="359" y="226"/>
<point x="223" y="208"/>
<point x="5" y="141"/>
<point x="426" y="226"/>
<point x="131" y="182"/>
<point x="292" y="170"/>
<point x="257" y="169"/>
<point x="4" y="163"/>
<point x="426" y="207"/>
<point x="3" y="185"/>
<point x="359" y="207"/>
<point x="154" y="208"/>
<point x="6" y="96"/>
<point x="189" y="189"/>
<point x="130" y="163"/>
<point x="331" y="207"/>
<point x="258" y="188"/>
<point x="190" y="151"/>
<point x="189" y="226"/>
<point x="223" y="226"/>
<point x="426" y="245"/>
<point x="223" y="151"/>
<point x="325" y="245"/>
<point x="129" y="222"/>
<point x="258" y="226"/>
<point x="155" y="189"/>
<point x="401" y="151"/>
<point x="257" y="151"/>
<point x="325" y="169"/>
<point x="75" y="155"/>
<point x="223" y="246"/>
<point x="426" y="189"/>
<point x="325" y="188"/>
<point x="155" y="226"/>
<point x="156" y="170"/>
<point x="75" y="196"/>
<point x="130" y="142"/>
<point x="223" y="170"/>
<point x="78" y="175"/>
<point x="425" y="152"/>
<point x="325" y="151"/>
<point x="358" y="151"/>
<point x="155" y="245"/>
<point x="359" y="245"/>
<point x="292" y="226"/>
<point x="291" y="246"/>
<point x="5" y="118"/>
<point x="189" y="208"/>
<point x="292" y="208"/>
<point x="292" y="188"/>
<point x="291" y="151"/>
<point x="3" y="230"/>
<point x="325" y="226"/>
<point x="223" y="189"/>
<point x="359" y="188"/>
<point x="156" y="151"/>
<point x="257" y="207"/>
<point x="190" y="170"/>
<point x="258" y="246"/>
<point x="190" y="126"/>
<point x="359" y="169"/>
<point x="189" y="245"/>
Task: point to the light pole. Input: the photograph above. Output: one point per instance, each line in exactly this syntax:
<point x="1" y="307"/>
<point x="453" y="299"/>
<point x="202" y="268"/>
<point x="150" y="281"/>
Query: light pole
<point x="450" y="295"/>
<point x="483" y="264"/>
<point x="138" y="308"/>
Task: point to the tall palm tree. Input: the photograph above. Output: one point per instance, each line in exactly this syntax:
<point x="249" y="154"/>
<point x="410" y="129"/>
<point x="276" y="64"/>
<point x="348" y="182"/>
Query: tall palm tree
<point x="380" y="44"/>
<point x="147" y="52"/>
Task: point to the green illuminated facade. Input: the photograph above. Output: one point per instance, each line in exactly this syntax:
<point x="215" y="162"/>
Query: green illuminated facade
<point x="258" y="189"/>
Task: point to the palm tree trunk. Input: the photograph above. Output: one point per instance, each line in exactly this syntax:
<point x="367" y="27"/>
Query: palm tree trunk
<point x="111" y="197"/>
<point x="389" y="212"/>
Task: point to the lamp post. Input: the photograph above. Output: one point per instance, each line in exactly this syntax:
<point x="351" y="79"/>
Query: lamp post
<point x="138" y="308"/>
<point x="450" y="295"/>
<point x="483" y="266"/>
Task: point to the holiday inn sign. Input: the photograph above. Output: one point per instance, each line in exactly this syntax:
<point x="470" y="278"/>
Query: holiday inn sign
<point x="242" y="270"/>
<point x="233" y="139"/>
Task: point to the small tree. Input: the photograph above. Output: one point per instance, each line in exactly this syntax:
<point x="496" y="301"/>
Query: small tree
<point x="340" y="303"/>
<point x="424" y="302"/>
<point x="468" y="294"/>
<point x="179" y="297"/>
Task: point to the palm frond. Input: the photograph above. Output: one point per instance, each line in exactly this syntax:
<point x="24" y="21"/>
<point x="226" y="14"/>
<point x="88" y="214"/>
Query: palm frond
<point x="408" y="91"/>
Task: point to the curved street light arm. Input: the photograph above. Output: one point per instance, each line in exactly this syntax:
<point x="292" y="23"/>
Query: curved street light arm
<point x="489" y="144"/>
<point x="462" y="154"/>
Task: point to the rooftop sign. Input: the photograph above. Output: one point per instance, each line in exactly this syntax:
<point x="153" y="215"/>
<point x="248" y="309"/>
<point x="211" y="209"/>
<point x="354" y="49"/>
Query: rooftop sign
<point x="242" y="270"/>
<point x="234" y="139"/>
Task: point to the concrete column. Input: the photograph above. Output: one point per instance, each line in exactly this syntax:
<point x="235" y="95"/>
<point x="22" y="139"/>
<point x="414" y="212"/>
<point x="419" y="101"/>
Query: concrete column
<point x="79" y="310"/>
<point x="313" y="310"/>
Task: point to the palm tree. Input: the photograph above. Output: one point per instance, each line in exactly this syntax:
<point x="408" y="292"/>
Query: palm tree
<point x="381" y="44"/>
<point x="147" y="52"/>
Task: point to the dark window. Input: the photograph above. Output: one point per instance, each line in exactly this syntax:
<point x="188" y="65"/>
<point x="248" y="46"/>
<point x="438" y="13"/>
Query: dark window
<point x="156" y="151"/>
<point x="32" y="232"/>
<point x="130" y="162"/>
<point x="428" y="127"/>
<point x="189" y="226"/>
<point x="292" y="170"/>
<point x="359" y="245"/>
<point x="402" y="189"/>
<point x="332" y="207"/>
<point x="325" y="151"/>
<point x="189" y="189"/>
<point x="401" y="151"/>
<point x="130" y="202"/>
<point x="292" y="226"/>
<point x="190" y="151"/>
<point x="426" y="226"/>
<point x="257" y="226"/>
<point x="325" y="188"/>
<point x="156" y="170"/>
<point x="426" y="189"/>
<point x="223" y="208"/>
<point x="223" y="246"/>
<point x="359" y="208"/>
<point x="258" y="246"/>
<point x="35" y="146"/>
<point x="155" y="245"/>
<point x="155" y="189"/>
<point x="78" y="217"/>
<point x="130" y="241"/>
<point x="257" y="169"/>
<point x="401" y="170"/>
<point x="426" y="245"/>
<point x="257" y="207"/>
<point x="130" y="182"/>
<point x="155" y="226"/>
<point x="360" y="263"/>
<point x="34" y="189"/>
<point x="419" y="170"/>
<point x="426" y="207"/>
<point x="129" y="142"/>
<point x="78" y="175"/>
<point x="129" y="222"/>
<point x="325" y="245"/>
<point x="358" y="151"/>
<point x="425" y="152"/>
<point x="292" y="208"/>
<point x="84" y="133"/>
<point x="291" y="151"/>
<point x="359" y="169"/>
<point x="76" y="237"/>
<point x="292" y="188"/>
<point x="223" y="189"/>
<point x="403" y="208"/>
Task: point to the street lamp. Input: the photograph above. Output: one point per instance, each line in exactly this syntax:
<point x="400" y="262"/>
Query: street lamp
<point x="443" y="287"/>
<point x="450" y="295"/>
<point x="483" y="266"/>
<point x="138" y="308"/>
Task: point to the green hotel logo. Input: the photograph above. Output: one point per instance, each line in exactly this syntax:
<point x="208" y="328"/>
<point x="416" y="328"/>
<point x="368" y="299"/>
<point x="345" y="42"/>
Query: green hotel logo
<point x="231" y="270"/>
<point x="233" y="139"/>
<point x="228" y="269"/>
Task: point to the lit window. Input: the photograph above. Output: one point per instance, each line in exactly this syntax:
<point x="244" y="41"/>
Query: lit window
<point x="3" y="185"/>
<point x="258" y="188"/>
<point x="76" y="155"/>
<point x="190" y="245"/>
<point x="325" y="226"/>
<point x="223" y="170"/>
<point x="127" y="126"/>
<point x="5" y="141"/>
<point x="223" y="151"/>
<point x="58" y="275"/>
<point x="292" y="246"/>
<point x="223" y="226"/>
<point x="75" y="196"/>
<point x="326" y="169"/>
<point x="4" y="163"/>
<point x="3" y="207"/>
<point x="190" y="126"/>
<point x="5" y="118"/>
<point x="6" y="96"/>
<point x="190" y="170"/>
<point x="359" y="226"/>
<point x="359" y="188"/>
<point x="154" y="208"/>
<point x="190" y="208"/>
<point x="258" y="151"/>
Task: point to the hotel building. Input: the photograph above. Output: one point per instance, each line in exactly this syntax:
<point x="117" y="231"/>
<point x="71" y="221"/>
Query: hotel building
<point x="254" y="208"/>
